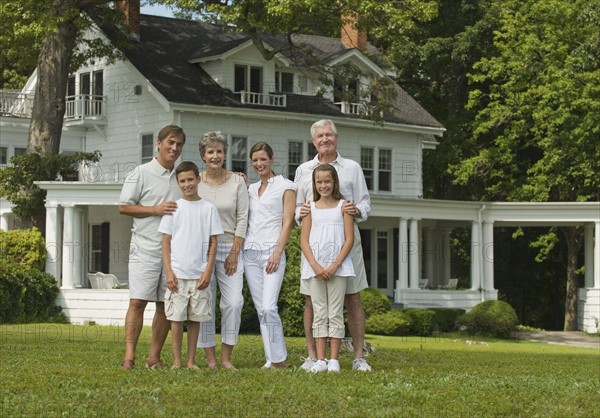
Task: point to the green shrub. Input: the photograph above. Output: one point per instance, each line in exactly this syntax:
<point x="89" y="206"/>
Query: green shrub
<point x="291" y="302"/>
<point x="446" y="319"/>
<point x="492" y="317"/>
<point x="393" y="322"/>
<point x="421" y="320"/>
<point x="374" y="301"/>
<point x="27" y="294"/>
<point x="23" y="246"/>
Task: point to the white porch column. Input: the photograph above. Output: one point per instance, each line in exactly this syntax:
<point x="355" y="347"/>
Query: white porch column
<point x="413" y="254"/>
<point x="446" y="254"/>
<point x="402" y="258"/>
<point x="596" y="262"/>
<point x="68" y="253"/>
<point x="4" y="222"/>
<point x="53" y="241"/>
<point x="430" y="255"/>
<point x="78" y="247"/>
<point x="488" y="255"/>
<point x="476" y="279"/>
<point x="590" y="266"/>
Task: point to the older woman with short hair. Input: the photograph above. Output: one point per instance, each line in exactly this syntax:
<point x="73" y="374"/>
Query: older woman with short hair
<point x="228" y="192"/>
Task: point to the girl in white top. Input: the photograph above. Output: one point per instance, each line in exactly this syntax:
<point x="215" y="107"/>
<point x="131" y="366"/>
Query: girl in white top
<point x="326" y="240"/>
<point x="270" y="221"/>
<point x="228" y="192"/>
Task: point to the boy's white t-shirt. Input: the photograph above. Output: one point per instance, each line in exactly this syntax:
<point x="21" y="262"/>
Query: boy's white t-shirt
<point x="191" y="227"/>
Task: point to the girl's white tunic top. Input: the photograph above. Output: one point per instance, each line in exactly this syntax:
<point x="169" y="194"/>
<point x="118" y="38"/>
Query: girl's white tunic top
<point x="326" y="240"/>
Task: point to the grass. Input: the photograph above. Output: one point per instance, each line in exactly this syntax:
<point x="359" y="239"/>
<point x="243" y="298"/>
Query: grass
<point x="67" y="370"/>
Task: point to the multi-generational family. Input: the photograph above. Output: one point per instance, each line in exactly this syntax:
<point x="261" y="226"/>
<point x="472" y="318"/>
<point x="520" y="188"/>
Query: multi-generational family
<point x="193" y="231"/>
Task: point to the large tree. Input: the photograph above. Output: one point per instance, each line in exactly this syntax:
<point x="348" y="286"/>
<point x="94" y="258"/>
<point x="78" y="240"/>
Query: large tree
<point x="537" y="126"/>
<point x="52" y="30"/>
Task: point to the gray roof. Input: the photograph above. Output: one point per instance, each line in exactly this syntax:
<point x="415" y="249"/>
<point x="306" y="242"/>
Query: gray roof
<point x="166" y="47"/>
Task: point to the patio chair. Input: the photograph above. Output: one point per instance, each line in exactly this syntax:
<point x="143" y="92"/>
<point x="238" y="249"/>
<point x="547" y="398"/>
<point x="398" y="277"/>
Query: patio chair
<point x="423" y="283"/>
<point x="101" y="280"/>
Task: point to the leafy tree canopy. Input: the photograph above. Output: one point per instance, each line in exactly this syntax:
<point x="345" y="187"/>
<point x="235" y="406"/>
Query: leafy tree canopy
<point x="537" y="100"/>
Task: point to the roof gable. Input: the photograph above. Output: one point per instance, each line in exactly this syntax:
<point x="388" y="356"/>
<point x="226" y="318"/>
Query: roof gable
<point x="168" y="50"/>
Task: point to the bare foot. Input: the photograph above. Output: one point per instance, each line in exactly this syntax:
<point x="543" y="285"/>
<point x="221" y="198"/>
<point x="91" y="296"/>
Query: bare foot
<point x="228" y="365"/>
<point x="212" y="366"/>
<point x="127" y="364"/>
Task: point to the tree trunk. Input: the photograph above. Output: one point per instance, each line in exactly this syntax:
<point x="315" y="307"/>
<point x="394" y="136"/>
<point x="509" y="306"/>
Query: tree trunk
<point x="52" y="74"/>
<point x="574" y="246"/>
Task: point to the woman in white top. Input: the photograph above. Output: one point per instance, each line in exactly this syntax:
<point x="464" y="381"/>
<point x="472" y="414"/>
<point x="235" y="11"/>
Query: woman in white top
<point x="270" y="221"/>
<point x="227" y="191"/>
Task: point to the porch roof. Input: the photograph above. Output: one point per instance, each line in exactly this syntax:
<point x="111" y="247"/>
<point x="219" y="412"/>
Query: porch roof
<point x="500" y="213"/>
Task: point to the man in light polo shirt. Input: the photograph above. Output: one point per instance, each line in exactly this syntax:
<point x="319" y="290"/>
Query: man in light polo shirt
<point x="354" y="190"/>
<point x="148" y="193"/>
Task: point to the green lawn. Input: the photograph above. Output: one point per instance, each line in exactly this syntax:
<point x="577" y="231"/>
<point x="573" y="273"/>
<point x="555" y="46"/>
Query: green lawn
<point x="66" y="370"/>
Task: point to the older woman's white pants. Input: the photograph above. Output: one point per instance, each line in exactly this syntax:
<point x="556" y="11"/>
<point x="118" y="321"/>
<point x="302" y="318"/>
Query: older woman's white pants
<point x="264" y="289"/>
<point x="231" y="302"/>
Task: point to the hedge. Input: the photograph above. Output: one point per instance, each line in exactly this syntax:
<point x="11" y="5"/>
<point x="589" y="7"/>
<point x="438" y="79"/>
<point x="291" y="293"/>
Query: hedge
<point x="493" y="317"/>
<point x="27" y="294"/>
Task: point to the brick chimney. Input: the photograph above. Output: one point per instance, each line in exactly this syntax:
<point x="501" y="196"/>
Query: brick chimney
<point x="130" y="9"/>
<point x="352" y="37"/>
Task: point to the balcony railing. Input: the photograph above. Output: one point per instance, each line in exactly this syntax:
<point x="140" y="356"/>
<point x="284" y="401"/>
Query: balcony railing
<point x="352" y="108"/>
<point x="271" y="99"/>
<point x="79" y="107"/>
<point x="85" y="106"/>
<point x="16" y="104"/>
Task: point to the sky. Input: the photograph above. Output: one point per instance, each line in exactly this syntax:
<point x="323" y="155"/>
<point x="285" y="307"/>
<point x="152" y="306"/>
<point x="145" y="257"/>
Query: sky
<point x="157" y="10"/>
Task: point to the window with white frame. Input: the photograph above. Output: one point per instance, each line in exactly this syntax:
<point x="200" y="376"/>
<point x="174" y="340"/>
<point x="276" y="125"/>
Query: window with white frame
<point x="248" y="78"/>
<point x="377" y="167"/>
<point x="90" y="89"/>
<point x="99" y="248"/>
<point x="20" y="151"/>
<point x="147" y="147"/>
<point x="299" y="152"/>
<point x="284" y="82"/>
<point x="239" y="154"/>
<point x="3" y="156"/>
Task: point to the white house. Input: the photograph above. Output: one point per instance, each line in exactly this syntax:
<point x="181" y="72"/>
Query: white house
<point x="204" y="78"/>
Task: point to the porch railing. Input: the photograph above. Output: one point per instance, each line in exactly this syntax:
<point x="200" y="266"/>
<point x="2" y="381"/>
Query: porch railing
<point x="271" y="99"/>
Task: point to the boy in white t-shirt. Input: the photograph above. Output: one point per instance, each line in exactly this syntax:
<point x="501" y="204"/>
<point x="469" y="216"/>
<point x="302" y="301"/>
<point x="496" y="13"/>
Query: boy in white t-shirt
<point x="188" y="251"/>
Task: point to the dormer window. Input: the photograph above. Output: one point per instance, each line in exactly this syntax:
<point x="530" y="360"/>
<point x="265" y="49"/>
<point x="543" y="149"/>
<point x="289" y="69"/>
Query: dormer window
<point x="284" y="82"/>
<point x="248" y="78"/>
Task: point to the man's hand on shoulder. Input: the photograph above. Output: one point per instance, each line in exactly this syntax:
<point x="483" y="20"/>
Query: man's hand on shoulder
<point x="166" y="208"/>
<point x="351" y="209"/>
<point x="305" y="210"/>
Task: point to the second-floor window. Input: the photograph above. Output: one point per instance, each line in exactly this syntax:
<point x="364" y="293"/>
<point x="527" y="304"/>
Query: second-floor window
<point x="299" y="152"/>
<point x="84" y="94"/>
<point x="147" y="147"/>
<point x="377" y="168"/>
<point x="248" y="78"/>
<point x="284" y="82"/>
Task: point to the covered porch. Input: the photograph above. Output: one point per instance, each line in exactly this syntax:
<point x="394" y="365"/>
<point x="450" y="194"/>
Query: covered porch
<point x="406" y="244"/>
